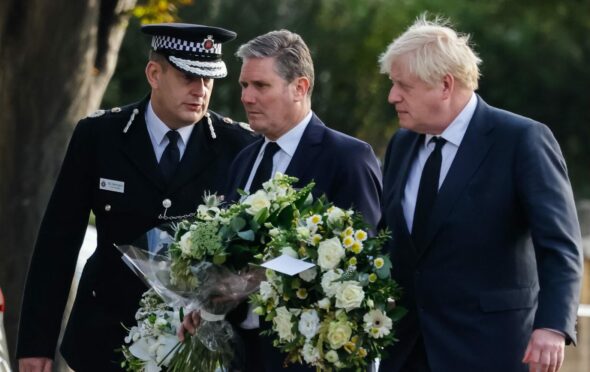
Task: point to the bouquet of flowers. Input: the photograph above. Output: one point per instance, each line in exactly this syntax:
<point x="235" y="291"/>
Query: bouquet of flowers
<point x="208" y="264"/>
<point x="337" y="314"/>
<point x="154" y="338"/>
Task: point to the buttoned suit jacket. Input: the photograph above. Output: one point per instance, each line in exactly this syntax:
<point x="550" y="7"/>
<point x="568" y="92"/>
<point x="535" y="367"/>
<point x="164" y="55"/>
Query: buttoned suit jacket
<point x="108" y="291"/>
<point x="343" y="168"/>
<point x="502" y="253"/>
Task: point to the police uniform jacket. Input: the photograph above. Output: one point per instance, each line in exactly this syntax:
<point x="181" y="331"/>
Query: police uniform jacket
<point x="108" y="292"/>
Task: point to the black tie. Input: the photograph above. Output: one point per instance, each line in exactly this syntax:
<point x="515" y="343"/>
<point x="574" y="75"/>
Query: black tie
<point x="427" y="192"/>
<point x="170" y="156"/>
<point x="264" y="171"/>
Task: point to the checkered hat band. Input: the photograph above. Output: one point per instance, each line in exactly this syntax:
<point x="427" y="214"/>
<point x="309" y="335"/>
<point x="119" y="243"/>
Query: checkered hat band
<point x="211" y="69"/>
<point x="172" y="43"/>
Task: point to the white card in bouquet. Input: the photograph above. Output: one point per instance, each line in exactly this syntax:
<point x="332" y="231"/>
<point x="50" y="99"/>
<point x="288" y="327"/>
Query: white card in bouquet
<point x="287" y="265"/>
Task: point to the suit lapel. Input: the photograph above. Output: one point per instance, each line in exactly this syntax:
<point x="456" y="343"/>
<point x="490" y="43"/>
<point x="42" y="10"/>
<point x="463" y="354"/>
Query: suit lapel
<point x="137" y="146"/>
<point x="471" y="153"/>
<point x="307" y="150"/>
<point x="243" y="170"/>
<point x="395" y="207"/>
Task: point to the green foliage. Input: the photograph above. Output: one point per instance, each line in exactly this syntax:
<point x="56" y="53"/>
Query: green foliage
<point x="159" y="11"/>
<point x="534" y="56"/>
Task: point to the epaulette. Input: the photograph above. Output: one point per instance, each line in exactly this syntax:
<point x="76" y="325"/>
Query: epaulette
<point x="229" y="120"/>
<point x="97" y="113"/>
<point x="101" y="112"/>
<point x="245" y="126"/>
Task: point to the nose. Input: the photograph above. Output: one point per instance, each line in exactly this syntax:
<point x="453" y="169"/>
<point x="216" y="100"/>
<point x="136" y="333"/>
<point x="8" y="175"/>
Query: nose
<point x="394" y="96"/>
<point x="247" y="96"/>
<point x="198" y="87"/>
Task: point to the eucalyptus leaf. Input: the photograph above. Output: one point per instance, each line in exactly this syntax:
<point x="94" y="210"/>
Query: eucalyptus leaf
<point x="237" y="224"/>
<point x="247" y="235"/>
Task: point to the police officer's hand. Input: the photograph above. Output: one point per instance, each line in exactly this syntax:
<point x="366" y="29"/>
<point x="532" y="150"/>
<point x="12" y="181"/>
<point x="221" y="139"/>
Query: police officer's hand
<point x="190" y="323"/>
<point x="35" y="364"/>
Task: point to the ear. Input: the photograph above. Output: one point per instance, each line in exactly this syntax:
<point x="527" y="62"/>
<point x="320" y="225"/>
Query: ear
<point x="448" y="85"/>
<point x="301" y="87"/>
<point x="153" y="71"/>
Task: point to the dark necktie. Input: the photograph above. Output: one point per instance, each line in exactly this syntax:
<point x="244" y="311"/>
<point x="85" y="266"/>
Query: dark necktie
<point x="427" y="192"/>
<point x="264" y="171"/>
<point x="170" y="156"/>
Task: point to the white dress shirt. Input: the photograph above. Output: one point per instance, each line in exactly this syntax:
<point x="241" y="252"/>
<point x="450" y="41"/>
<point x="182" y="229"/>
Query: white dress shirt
<point x="453" y="134"/>
<point x="288" y="143"/>
<point x="157" y="131"/>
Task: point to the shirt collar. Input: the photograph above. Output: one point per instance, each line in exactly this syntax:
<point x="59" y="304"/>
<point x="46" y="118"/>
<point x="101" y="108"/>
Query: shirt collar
<point x="290" y="140"/>
<point x="455" y="132"/>
<point x="158" y="129"/>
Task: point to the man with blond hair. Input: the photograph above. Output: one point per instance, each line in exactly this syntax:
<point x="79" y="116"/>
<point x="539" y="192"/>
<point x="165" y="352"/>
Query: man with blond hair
<point x="486" y="241"/>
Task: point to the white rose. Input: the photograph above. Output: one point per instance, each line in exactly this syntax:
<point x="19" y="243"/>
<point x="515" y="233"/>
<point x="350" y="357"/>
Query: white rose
<point x="324" y="303"/>
<point x="289" y="251"/>
<point x="349" y="295"/>
<point x="332" y="356"/>
<point x="267" y="291"/>
<point x="283" y="325"/>
<point x="309" y="274"/>
<point x="328" y="284"/>
<point x="309" y="323"/>
<point x="310" y="354"/>
<point x="338" y="334"/>
<point x="335" y="216"/>
<point x="330" y="252"/>
<point x="185" y="243"/>
<point x="257" y="202"/>
<point x="303" y="233"/>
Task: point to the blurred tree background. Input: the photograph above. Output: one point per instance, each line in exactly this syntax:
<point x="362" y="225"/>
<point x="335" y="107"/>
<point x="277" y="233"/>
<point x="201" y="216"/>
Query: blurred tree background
<point x="534" y="60"/>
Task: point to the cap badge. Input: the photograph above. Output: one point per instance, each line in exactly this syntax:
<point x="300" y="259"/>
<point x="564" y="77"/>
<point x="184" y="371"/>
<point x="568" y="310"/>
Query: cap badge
<point x="208" y="43"/>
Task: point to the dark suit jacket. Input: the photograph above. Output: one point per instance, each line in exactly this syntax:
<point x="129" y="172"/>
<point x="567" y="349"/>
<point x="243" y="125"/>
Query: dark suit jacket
<point x="108" y="292"/>
<point x="479" y="287"/>
<point x="344" y="168"/>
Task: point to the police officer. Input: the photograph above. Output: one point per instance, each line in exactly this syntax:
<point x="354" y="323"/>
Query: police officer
<point x="134" y="167"/>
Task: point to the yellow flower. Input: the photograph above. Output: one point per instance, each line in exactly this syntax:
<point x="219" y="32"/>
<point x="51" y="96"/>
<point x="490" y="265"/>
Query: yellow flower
<point x="378" y="262"/>
<point x="362" y="352"/>
<point x="347" y="241"/>
<point x="357" y="247"/>
<point x="302" y="252"/>
<point x="372" y="277"/>
<point x="315" y="219"/>
<point x="316" y="239"/>
<point x="352" y="261"/>
<point x="350" y="347"/>
<point x="348" y="231"/>
<point x="302" y="293"/>
<point x="360" y="235"/>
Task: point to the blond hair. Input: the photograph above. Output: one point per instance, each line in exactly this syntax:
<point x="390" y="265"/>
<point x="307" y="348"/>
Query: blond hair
<point x="433" y="49"/>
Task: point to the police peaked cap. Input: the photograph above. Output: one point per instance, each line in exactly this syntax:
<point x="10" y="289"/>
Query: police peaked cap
<point x="192" y="49"/>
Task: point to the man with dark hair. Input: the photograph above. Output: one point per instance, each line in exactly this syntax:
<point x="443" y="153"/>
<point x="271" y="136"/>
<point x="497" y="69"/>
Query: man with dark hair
<point x="134" y="167"/>
<point x="277" y="80"/>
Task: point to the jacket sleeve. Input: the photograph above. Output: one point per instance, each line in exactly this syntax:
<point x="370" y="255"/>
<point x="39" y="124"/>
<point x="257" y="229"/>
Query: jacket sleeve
<point x="547" y="197"/>
<point x="56" y="251"/>
<point x="360" y="183"/>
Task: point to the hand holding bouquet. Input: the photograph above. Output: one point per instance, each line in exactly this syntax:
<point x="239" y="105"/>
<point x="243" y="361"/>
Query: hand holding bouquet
<point x="207" y="266"/>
